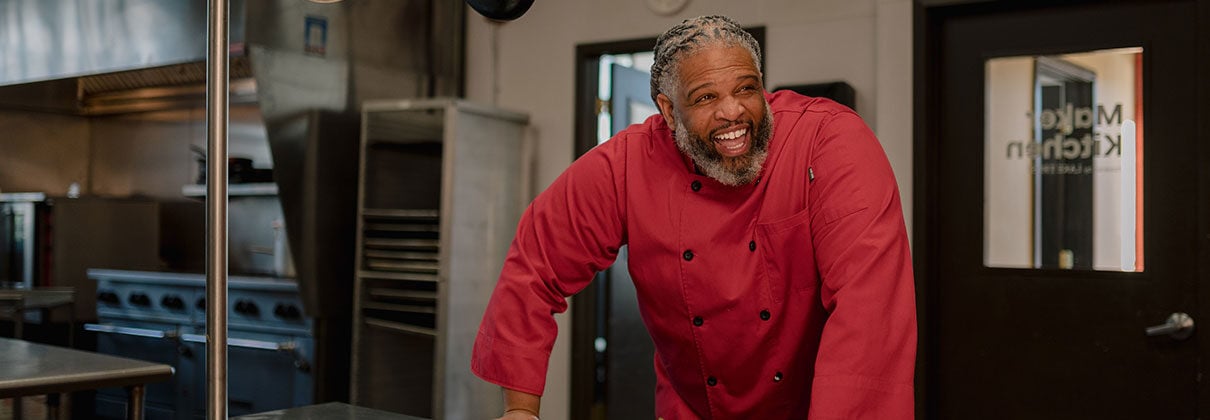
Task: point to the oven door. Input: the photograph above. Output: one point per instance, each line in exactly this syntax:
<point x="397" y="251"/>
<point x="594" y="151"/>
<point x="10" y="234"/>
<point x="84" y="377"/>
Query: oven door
<point x="152" y="342"/>
<point x="265" y="372"/>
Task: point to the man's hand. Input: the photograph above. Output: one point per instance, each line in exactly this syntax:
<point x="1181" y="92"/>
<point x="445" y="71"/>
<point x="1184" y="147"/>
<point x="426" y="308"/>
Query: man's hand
<point x="520" y="405"/>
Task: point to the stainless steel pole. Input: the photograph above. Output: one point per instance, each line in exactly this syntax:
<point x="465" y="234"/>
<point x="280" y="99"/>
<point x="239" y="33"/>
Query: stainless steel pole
<point x="216" y="211"/>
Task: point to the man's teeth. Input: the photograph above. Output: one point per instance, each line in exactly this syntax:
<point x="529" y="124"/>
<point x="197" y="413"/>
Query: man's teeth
<point x="732" y="135"/>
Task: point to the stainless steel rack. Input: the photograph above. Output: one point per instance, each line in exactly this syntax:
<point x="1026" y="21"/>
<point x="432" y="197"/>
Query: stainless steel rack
<point x="440" y="193"/>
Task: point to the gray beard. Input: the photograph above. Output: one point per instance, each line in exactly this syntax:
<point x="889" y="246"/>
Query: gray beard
<point x="728" y="171"/>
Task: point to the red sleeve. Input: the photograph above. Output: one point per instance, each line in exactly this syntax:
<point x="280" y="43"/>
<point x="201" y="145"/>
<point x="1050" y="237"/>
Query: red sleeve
<point x="569" y="232"/>
<point x="867" y="353"/>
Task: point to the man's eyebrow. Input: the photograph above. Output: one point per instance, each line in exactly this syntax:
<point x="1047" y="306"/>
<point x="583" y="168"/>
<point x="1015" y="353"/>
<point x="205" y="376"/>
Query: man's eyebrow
<point x="689" y="94"/>
<point x="752" y="77"/>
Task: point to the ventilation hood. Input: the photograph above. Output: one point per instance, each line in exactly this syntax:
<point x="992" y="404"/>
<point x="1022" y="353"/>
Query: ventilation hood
<point x="89" y="57"/>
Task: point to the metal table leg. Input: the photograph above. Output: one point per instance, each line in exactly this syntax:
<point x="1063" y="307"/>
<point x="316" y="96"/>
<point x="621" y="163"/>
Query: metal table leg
<point x="134" y="407"/>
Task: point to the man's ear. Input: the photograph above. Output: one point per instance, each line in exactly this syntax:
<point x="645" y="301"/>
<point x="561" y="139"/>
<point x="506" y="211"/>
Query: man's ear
<point x="665" y="104"/>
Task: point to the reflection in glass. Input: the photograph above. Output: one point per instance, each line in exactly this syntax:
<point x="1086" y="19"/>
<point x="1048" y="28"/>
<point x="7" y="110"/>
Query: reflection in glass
<point x="1062" y="180"/>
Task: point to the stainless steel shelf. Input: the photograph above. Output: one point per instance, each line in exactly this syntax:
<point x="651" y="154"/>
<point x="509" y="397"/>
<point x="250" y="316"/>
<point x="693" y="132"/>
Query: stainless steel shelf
<point x="402" y="213"/>
<point x="381" y="293"/>
<point x="404" y="267"/>
<point x="395" y="307"/>
<point x="403" y="227"/>
<point x="402" y="243"/>
<point x="402" y="255"/>
<point x="380" y="275"/>
<point x="400" y="327"/>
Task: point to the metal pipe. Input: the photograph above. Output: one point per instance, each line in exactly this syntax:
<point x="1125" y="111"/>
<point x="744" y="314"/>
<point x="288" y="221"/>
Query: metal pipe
<point x="216" y="209"/>
<point x="135" y="402"/>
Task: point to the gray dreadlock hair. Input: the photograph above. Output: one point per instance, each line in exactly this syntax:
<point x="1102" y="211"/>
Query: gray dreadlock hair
<point x="689" y="36"/>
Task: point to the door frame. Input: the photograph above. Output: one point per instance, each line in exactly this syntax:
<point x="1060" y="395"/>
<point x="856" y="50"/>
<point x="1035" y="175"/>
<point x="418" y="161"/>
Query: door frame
<point x="928" y="17"/>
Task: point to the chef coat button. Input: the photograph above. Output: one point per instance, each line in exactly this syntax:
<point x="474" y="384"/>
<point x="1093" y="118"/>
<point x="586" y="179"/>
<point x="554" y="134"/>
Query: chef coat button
<point x="688" y="255"/>
<point x="696" y="185"/>
<point x="752" y="246"/>
<point x="697" y="321"/>
<point x="758" y="182"/>
<point x="765" y="315"/>
<point x="777" y="377"/>
<point x="711" y="381"/>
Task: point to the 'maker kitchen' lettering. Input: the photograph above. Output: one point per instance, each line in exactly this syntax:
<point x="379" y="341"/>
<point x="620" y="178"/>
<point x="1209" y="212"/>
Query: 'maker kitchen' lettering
<point x="1064" y="120"/>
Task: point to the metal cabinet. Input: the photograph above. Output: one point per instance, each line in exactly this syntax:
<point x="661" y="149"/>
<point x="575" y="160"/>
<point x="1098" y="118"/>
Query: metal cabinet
<point x="441" y="191"/>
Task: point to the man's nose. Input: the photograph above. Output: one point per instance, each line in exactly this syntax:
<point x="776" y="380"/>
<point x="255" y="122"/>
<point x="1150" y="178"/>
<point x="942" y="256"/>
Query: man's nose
<point x="729" y="109"/>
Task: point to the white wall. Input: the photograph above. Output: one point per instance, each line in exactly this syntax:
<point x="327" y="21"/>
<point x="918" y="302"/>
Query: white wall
<point x="528" y="65"/>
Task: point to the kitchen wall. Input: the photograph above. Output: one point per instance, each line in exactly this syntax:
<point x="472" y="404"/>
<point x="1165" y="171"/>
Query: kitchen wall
<point x="146" y="154"/>
<point x="528" y="65"/>
<point x="42" y="152"/>
<point x="149" y="153"/>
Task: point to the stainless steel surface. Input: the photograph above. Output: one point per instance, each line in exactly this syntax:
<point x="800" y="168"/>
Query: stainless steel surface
<point x="57" y="46"/>
<point x="425" y="163"/>
<point x="315" y="155"/>
<point x="15" y="303"/>
<point x="216" y="209"/>
<point x="33" y="369"/>
<point x="328" y="411"/>
<point x="310" y="96"/>
<point x="50" y="39"/>
<point x="1179" y="326"/>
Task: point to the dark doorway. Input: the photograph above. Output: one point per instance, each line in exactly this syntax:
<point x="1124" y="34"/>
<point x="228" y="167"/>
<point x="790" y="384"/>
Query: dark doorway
<point x="613" y="373"/>
<point x="1036" y="207"/>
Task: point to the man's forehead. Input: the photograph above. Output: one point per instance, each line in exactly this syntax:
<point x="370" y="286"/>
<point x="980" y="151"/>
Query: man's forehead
<point x="719" y="56"/>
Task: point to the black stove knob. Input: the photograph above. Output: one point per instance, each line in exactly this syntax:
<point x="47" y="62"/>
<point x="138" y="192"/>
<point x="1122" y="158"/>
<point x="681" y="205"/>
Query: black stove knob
<point x="288" y="312"/>
<point x="109" y="298"/>
<point x="139" y="299"/>
<point x="173" y="302"/>
<point x="201" y="304"/>
<point x="246" y="308"/>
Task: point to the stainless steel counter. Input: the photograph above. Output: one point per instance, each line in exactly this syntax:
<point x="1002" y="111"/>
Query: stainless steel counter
<point x="14" y="303"/>
<point x="34" y="369"/>
<point x="328" y="411"/>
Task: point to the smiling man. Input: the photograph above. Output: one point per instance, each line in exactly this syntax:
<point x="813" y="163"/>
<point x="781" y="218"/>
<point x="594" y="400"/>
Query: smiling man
<point x="767" y="248"/>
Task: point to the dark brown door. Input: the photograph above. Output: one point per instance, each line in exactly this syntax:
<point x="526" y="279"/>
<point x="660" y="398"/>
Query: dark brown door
<point x="1061" y="207"/>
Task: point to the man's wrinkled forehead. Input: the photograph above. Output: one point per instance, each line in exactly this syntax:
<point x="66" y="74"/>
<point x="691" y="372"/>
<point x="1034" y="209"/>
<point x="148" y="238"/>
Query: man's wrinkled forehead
<point x="692" y="35"/>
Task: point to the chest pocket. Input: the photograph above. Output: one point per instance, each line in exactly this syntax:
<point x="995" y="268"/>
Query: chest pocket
<point x="788" y="255"/>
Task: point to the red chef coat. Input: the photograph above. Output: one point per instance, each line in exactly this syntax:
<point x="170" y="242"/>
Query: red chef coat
<point x="791" y="297"/>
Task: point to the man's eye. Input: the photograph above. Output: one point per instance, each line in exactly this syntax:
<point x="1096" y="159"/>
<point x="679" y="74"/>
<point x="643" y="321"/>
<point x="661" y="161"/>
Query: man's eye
<point x="703" y="98"/>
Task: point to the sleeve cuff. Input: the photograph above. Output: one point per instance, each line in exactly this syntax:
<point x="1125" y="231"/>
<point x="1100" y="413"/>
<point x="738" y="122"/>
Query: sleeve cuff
<point x="510" y="367"/>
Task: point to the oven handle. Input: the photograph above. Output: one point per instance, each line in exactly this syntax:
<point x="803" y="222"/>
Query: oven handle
<point x="288" y="347"/>
<point x="137" y="332"/>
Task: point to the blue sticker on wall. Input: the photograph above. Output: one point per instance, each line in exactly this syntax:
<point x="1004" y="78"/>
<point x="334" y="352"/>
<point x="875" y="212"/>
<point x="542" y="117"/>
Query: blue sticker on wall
<point x="316" y="35"/>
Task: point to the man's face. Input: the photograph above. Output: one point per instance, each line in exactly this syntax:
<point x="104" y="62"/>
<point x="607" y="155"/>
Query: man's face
<point x="719" y="113"/>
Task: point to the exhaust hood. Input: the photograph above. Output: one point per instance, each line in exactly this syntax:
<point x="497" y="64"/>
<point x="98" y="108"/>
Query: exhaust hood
<point x="88" y="57"/>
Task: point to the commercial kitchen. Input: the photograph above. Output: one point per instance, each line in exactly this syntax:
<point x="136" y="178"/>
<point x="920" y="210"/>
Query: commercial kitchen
<point x="377" y="155"/>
